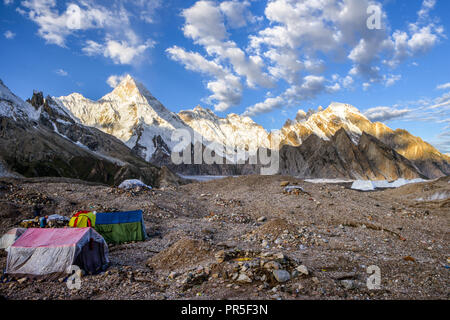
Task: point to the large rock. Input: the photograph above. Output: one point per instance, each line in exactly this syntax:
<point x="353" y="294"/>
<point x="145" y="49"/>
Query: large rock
<point x="281" y="275"/>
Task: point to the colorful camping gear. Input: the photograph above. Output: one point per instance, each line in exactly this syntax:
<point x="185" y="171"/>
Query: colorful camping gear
<point x="120" y="227"/>
<point x="10" y="237"/>
<point x="45" y="252"/>
<point x="83" y="219"/>
<point x="56" y="220"/>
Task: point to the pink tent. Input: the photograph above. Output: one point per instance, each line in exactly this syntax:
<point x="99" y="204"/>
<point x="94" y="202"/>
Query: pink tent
<point x="40" y="252"/>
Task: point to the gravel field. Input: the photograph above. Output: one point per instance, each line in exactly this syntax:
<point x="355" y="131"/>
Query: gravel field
<point x="245" y="238"/>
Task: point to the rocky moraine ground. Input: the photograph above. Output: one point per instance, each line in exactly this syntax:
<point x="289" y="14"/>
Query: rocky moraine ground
<point x="245" y="238"/>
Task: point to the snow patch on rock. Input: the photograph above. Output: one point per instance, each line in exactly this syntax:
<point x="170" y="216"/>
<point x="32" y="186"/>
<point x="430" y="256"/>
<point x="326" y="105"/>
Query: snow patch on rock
<point x="368" y="185"/>
<point x="13" y="107"/>
<point x="438" y="196"/>
<point x="328" y="181"/>
<point x="133" y="183"/>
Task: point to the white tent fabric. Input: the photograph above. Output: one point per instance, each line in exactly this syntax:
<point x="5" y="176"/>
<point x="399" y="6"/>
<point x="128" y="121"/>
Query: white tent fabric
<point x="41" y="252"/>
<point x="10" y="237"/>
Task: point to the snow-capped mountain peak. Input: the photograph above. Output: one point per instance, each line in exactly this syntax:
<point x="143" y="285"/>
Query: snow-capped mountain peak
<point x="232" y="131"/>
<point x="342" y="110"/>
<point x="130" y="112"/>
<point x="127" y="89"/>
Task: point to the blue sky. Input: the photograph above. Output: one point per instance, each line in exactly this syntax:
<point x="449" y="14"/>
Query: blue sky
<point x="265" y="59"/>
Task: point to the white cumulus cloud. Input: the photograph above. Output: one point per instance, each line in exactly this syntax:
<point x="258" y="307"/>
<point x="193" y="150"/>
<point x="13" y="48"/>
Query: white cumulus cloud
<point x="9" y="34"/>
<point x="114" y="80"/>
<point x="62" y="72"/>
<point x="385" y="113"/>
<point x="120" y="42"/>
<point x="444" y="86"/>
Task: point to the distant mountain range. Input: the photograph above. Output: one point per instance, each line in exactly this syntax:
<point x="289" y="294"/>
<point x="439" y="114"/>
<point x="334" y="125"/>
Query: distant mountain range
<point x="129" y="128"/>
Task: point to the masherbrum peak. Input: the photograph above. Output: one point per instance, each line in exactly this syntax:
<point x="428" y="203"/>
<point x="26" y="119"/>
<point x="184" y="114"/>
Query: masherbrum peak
<point x="130" y="112"/>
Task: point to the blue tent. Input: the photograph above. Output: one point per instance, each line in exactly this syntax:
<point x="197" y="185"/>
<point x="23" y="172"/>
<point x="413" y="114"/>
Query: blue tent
<point x="120" y="227"/>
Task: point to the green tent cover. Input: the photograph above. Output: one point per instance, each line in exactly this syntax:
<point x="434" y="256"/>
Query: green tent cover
<point x="120" y="227"/>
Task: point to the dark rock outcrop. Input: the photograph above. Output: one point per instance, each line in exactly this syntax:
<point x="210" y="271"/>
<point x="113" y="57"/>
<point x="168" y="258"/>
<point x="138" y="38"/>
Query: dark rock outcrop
<point x="340" y="158"/>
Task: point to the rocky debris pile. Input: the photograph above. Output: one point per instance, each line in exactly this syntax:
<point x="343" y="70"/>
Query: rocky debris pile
<point x="233" y="217"/>
<point x="181" y="254"/>
<point x="131" y="192"/>
<point x="274" y="232"/>
<point x="232" y="203"/>
<point x="192" y="278"/>
<point x="19" y="196"/>
<point x="236" y="267"/>
<point x="278" y="233"/>
<point x="267" y="268"/>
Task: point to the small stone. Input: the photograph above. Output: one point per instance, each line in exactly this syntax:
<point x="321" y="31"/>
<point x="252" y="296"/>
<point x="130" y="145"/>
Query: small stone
<point x="262" y="219"/>
<point x="348" y="284"/>
<point x="244" y="278"/>
<point x="220" y="256"/>
<point x="264" y="243"/>
<point x="302" y="270"/>
<point x="279" y="256"/>
<point x="272" y="265"/>
<point x="315" y="280"/>
<point x="80" y="273"/>
<point x="281" y="275"/>
<point x="173" y="275"/>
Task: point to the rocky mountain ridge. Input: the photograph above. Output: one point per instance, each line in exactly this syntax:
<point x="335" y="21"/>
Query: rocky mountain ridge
<point x="134" y="116"/>
<point x="131" y="113"/>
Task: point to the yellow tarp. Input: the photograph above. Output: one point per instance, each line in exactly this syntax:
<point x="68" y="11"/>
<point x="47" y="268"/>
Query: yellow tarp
<point x="82" y="220"/>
